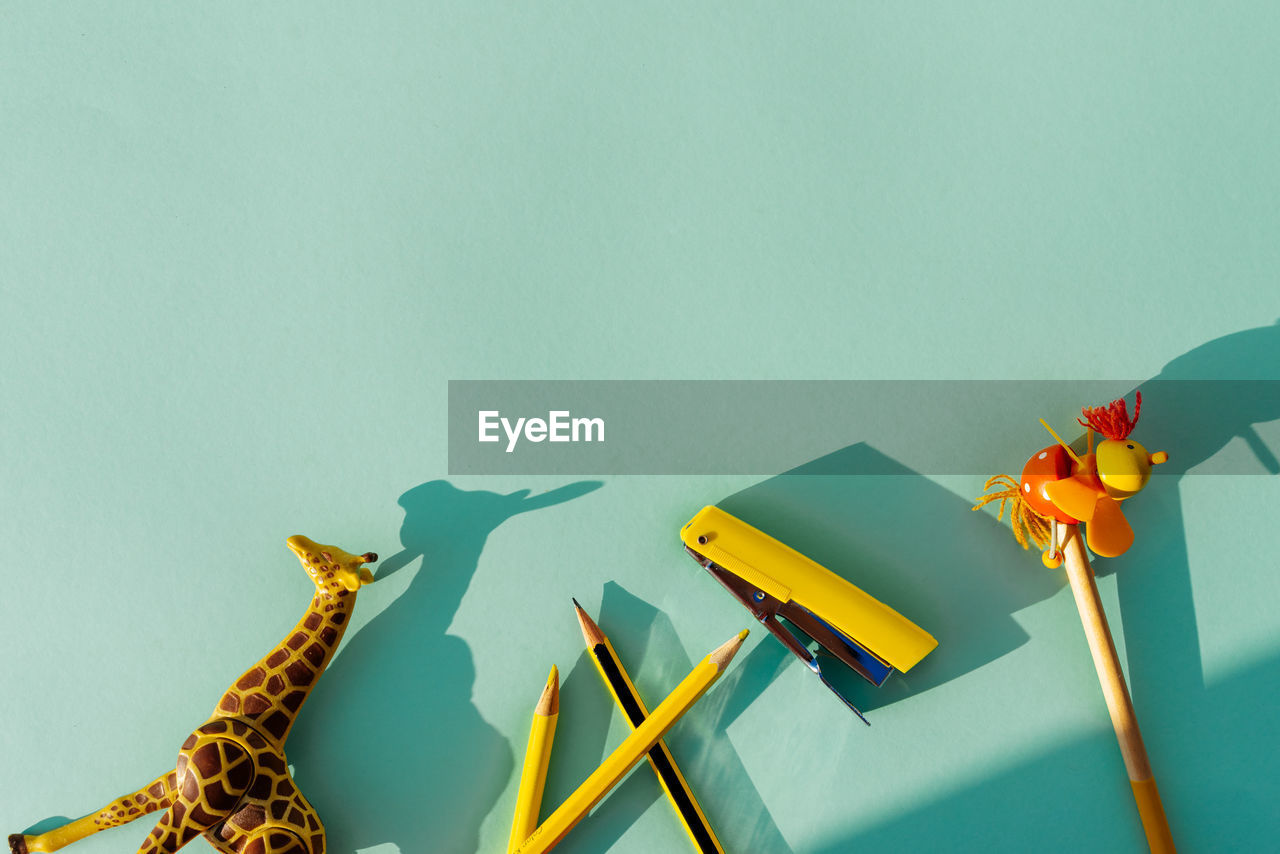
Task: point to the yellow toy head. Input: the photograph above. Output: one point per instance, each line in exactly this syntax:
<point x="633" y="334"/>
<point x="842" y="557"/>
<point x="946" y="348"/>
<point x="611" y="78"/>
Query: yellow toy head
<point x="1124" y="466"/>
<point x="329" y="566"/>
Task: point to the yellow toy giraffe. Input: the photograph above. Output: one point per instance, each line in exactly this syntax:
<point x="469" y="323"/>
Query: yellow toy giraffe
<point x="232" y="781"/>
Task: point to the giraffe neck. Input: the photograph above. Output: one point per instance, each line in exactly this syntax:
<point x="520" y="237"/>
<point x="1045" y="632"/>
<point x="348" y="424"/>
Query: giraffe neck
<point x="270" y="693"/>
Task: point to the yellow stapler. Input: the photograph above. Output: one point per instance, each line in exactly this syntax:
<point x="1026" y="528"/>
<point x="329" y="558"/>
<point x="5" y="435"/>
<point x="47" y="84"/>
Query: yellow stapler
<point x="774" y="582"/>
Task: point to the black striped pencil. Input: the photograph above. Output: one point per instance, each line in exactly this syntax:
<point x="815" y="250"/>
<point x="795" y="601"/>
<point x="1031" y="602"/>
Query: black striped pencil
<point x="628" y="699"/>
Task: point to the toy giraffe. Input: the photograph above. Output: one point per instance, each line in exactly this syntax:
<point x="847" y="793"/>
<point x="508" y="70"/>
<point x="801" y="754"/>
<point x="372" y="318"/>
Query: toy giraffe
<point x="232" y="781"/>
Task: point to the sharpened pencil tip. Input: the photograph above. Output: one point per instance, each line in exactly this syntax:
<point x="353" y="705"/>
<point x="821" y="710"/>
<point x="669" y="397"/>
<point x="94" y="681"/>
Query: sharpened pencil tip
<point x="591" y="633"/>
<point x="575" y="603"/>
<point x="723" y="654"/>
<point x="549" y="702"/>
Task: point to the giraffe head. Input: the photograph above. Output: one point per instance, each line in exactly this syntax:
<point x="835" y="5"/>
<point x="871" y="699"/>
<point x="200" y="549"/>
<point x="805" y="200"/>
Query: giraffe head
<point x="332" y="569"/>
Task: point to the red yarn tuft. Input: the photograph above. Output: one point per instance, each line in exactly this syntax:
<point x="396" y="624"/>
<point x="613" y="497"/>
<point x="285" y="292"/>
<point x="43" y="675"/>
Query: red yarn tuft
<point x="1112" y="420"/>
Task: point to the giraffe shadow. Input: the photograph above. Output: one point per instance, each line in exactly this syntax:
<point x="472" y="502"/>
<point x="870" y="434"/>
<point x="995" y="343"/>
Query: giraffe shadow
<point x="397" y="752"/>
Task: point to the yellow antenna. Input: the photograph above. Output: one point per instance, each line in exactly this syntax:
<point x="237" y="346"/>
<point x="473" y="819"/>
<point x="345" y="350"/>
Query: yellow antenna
<point x="1064" y="445"/>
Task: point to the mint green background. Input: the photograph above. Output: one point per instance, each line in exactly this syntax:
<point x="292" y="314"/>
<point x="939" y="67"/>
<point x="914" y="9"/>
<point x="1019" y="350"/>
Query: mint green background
<point x="244" y="250"/>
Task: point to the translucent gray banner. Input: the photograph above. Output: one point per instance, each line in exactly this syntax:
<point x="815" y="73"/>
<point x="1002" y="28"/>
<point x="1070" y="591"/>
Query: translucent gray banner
<point x="842" y="427"/>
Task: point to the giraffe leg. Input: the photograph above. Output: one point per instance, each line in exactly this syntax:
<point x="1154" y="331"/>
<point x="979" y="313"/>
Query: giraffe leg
<point x="155" y="795"/>
<point x="213" y="775"/>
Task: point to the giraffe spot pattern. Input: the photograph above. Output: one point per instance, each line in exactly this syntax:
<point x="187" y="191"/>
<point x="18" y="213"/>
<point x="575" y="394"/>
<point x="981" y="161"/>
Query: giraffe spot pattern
<point x="208" y="759"/>
<point x="252" y="679"/>
<point x="249" y="818"/>
<point x="217" y="796"/>
<point x="243" y="799"/>
<point x="256" y="704"/>
<point x="201" y="817"/>
<point x="272" y="763"/>
<point x="277" y="723"/>
<point x="299" y="674"/>
<point x="260" y="790"/>
<point x="314" y="654"/>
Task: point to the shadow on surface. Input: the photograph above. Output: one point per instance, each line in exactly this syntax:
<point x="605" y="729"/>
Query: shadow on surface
<point x="653" y="655"/>
<point x="962" y="582"/>
<point x="51" y="823"/>
<point x="1161" y="638"/>
<point x="948" y="579"/>
<point x="1076" y="798"/>
<point x="1210" y="753"/>
<point x="382" y="754"/>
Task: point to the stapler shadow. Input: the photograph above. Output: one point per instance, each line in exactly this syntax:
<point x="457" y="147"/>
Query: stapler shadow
<point x="848" y="511"/>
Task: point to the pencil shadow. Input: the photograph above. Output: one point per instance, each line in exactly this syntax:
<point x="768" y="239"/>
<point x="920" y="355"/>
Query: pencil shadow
<point x="377" y="754"/>
<point x="1198" y="420"/>
<point x="650" y="649"/>
<point x="1154" y="586"/>
<point x="944" y="579"/>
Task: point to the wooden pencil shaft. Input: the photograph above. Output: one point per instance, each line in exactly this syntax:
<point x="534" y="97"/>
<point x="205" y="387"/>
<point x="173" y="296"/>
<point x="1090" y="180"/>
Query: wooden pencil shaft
<point x="1080" y="574"/>
<point x="1105" y="660"/>
<point x="537" y="757"/>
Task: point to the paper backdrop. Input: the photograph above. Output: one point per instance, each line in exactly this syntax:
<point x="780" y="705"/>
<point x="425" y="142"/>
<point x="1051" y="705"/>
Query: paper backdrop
<point x="245" y="250"/>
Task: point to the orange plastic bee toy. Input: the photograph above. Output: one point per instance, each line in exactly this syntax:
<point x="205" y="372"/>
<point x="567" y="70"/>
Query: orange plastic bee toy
<point x="1058" y="485"/>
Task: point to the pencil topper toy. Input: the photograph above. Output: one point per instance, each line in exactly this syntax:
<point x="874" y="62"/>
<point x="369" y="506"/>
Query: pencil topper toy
<point x="1059" y="486"/>
<point x="1059" y="490"/>
<point x="232" y="781"/>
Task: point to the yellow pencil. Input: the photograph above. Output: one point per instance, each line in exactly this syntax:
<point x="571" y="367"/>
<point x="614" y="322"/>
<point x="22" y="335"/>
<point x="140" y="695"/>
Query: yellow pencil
<point x="536" y="756"/>
<point x="660" y="759"/>
<point x="632" y="749"/>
